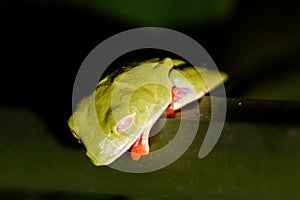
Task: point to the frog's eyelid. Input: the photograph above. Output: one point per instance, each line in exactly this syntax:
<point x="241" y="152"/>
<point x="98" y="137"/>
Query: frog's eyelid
<point x="124" y="123"/>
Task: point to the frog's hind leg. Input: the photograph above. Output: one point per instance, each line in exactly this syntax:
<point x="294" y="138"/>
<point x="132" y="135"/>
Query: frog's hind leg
<point x="177" y="94"/>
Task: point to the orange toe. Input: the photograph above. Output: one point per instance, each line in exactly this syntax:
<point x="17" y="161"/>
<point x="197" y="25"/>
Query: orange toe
<point x="139" y="148"/>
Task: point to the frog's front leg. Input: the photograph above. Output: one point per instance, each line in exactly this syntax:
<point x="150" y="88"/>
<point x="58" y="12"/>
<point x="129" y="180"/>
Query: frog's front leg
<point x="177" y="93"/>
<point x="141" y="145"/>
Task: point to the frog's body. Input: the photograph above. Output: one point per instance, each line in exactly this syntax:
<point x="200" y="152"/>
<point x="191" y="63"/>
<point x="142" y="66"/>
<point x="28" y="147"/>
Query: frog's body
<point x="124" y="107"/>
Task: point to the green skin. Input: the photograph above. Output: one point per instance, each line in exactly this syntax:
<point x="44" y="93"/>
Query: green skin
<point x="127" y="104"/>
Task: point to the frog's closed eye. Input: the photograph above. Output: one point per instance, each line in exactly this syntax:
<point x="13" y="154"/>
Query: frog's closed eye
<point x="124" y="123"/>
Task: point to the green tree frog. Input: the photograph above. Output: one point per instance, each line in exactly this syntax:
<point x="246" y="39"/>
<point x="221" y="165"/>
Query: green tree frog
<point x="120" y="113"/>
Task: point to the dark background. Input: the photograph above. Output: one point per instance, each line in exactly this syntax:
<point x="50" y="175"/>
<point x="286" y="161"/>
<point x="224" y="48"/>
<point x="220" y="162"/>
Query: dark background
<point x="44" y="43"/>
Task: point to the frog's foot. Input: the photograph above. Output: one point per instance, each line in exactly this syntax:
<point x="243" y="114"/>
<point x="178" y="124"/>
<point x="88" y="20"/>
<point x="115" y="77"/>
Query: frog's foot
<point x="170" y="112"/>
<point x="177" y="93"/>
<point x="140" y="147"/>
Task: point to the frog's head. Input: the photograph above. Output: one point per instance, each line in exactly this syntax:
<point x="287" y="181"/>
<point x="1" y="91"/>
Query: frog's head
<point x="105" y="134"/>
<point x="104" y="138"/>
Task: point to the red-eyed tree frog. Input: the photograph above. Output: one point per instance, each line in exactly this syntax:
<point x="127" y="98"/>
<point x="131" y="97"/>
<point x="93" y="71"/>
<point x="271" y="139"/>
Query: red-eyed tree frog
<point x="120" y="113"/>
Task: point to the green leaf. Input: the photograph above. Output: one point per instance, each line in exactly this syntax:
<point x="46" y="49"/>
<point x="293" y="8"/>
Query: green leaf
<point x="252" y="159"/>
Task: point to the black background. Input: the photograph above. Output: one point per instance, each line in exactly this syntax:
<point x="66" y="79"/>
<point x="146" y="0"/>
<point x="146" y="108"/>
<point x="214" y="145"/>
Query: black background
<point x="43" y="46"/>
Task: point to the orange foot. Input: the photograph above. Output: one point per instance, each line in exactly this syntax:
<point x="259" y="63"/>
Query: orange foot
<point x="177" y="93"/>
<point x="139" y="148"/>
